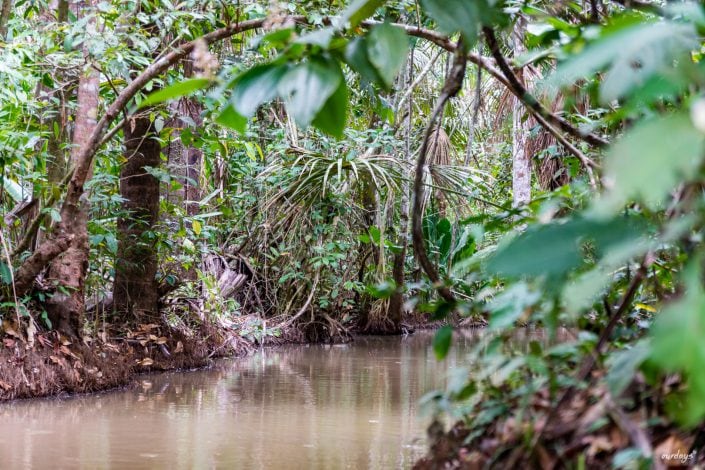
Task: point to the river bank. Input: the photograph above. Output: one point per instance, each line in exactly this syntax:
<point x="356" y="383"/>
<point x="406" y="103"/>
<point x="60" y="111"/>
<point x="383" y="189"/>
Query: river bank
<point x="47" y="363"/>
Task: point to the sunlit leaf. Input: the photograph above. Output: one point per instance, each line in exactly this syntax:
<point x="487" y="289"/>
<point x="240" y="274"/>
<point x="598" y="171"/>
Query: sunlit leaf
<point x="176" y="90"/>
<point x="360" y="10"/>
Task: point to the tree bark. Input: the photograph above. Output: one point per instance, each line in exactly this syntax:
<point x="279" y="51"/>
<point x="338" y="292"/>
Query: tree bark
<point x="5" y="17"/>
<point x="67" y="272"/>
<point x="135" y="292"/>
<point x="185" y="161"/>
<point x="521" y="160"/>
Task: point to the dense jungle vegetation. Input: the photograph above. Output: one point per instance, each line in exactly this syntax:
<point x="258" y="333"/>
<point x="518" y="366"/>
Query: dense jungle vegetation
<point x="186" y="179"/>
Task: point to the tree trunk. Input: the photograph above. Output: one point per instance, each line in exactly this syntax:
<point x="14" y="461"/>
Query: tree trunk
<point x="395" y="310"/>
<point x="185" y="161"/>
<point x="5" y="17"/>
<point x="521" y="160"/>
<point x="68" y="271"/>
<point x="135" y="293"/>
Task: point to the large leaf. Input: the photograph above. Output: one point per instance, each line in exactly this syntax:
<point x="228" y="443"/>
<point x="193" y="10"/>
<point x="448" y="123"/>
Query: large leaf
<point x="256" y="86"/>
<point x="387" y="47"/>
<point x="650" y="160"/>
<point x="232" y="119"/>
<point x="14" y="190"/>
<point x="555" y="249"/>
<point x="678" y="346"/>
<point x="465" y="16"/>
<point x="511" y="304"/>
<point x="653" y="46"/>
<point x="360" y="10"/>
<point x="623" y="365"/>
<point x="334" y="114"/>
<point x="176" y="90"/>
<point x="307" y="87"/>
<point x="358" y="59"/>
<point x="441" y="341"/>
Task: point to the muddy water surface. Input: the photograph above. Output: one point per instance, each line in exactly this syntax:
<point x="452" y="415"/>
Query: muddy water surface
<point x="318" y="407"/>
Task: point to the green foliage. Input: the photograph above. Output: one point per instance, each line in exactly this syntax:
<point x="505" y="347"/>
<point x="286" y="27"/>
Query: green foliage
<point x="676" y="346"/>
<point x="643" y="155"/>
<point x="386" y="49"/>
<point x="176" y="90"/>
<point x="441" y="342"/>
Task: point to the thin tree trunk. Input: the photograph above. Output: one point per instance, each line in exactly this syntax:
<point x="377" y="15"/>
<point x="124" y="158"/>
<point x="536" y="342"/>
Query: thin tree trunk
<point x="396" y="301"/>
<point x="521" y="160"/>
<point x="135" y="288"/>
<point x="5" y="16"/>
<point x="68" y="271"/>
<point x="185" y="161"/>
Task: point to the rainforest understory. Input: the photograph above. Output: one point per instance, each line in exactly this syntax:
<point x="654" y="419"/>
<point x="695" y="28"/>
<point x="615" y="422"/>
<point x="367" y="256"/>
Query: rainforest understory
<point x="187" y="181"/>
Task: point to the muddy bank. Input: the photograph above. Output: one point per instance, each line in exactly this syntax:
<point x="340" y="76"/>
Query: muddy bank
<point x="51" y="364"/>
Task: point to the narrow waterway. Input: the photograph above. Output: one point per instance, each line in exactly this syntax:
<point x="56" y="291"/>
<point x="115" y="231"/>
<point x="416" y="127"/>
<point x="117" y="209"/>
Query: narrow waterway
<point x="347" y="406"/>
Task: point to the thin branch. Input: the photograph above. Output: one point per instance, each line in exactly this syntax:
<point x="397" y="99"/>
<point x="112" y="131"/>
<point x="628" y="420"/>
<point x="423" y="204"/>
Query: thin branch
<point x="529" y="100"/>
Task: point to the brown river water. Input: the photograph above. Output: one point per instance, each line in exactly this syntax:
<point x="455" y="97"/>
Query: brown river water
<point x="309" y="407"/>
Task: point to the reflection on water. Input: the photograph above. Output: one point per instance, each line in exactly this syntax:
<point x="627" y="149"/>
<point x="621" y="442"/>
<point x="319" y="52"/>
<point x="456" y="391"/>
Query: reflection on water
<point x="350" y="406"/>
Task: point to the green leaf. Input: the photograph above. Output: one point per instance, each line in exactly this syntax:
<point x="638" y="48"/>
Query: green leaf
<point x="175" y="91"/>
<point x="375" y="234"/>
<point x="256" y="86"/>
<point x="383" y="290"/>
<point x="5" y="273"/>
<point x="319" y="37"/>
<point x="333" y="117"/>
<point x="357" y="58"/>
<point x="622" y="365"/>
<point x="360" y="10"/>
<point x="13" y="189"/>
<point x="232" y="119"/>
<point x="582" y="292"/>
<point x="678" y="346"/>
<point x="465" y="16"/>
<point x="386" y="47"/>
<point x="653" y="46"/>
<point x="307" y="87"/>
<point x="441" y="342"/>
<point x="554" y="249"/>
<point x="511" y="305"/>
<point x="650" y="160"/>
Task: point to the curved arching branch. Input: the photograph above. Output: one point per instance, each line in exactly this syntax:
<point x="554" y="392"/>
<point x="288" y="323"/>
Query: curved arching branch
<point x="451" y="87"/>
